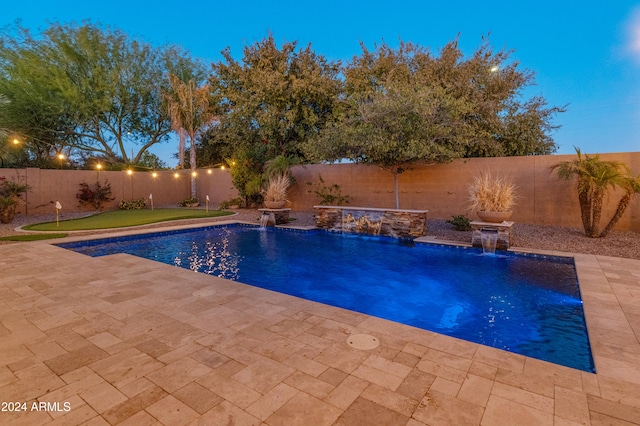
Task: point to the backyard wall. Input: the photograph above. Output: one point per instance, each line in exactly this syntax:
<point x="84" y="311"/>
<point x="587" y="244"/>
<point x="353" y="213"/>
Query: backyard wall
<point x="50" y="185"/>
<point x="439" y="188"/>
<point x="442" y="188"/>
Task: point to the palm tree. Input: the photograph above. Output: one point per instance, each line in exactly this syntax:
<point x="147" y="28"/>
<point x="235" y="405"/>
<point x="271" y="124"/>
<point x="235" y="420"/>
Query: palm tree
<point x="189" y="109"/>
<point x="175" y="114"/>
<point x="594" y="177"/>
<point x="631" y="186"/>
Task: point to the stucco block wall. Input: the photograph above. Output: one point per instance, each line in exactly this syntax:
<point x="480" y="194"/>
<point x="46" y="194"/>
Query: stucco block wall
<point x="439" y="188"/>
<point x="49" y="186"/>
<point x="442" y="188"/>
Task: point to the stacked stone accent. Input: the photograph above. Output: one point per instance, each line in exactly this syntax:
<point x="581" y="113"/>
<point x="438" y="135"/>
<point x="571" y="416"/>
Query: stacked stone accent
<point x="372" y="221"/>
<point x="281" y="216"/>
<point x="504" y="240"/>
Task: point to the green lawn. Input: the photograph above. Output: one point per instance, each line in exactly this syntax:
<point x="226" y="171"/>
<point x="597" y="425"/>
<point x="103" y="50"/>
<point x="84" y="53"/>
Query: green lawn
<point x="125" y="218"/>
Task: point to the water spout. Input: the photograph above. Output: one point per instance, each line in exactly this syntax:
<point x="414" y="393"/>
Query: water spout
<point x="489" y="238"/>
<point x="265" y="218"/>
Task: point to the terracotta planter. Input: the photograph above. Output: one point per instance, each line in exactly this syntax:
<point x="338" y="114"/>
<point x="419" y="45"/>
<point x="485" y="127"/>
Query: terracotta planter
<point x="494" y="217"/>
<point x="275" y="204"/>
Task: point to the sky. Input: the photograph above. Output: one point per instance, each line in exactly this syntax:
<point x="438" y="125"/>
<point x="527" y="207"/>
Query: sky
<point x="585" y="54"/>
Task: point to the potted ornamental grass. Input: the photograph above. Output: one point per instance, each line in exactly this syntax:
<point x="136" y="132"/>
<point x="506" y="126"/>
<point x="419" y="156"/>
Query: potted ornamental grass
<point x="492" y="197"/>
<point x="275" y="195"/>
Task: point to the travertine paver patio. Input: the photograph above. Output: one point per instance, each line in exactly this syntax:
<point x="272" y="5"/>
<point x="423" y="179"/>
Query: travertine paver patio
<point x="123" y="340"/>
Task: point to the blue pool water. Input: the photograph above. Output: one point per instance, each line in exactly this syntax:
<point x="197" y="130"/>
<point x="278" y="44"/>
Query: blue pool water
<point x="525" y="304"/>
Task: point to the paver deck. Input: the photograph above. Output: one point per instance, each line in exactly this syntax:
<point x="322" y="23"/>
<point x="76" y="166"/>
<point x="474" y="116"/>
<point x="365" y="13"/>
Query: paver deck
<point x="124" y="340"/>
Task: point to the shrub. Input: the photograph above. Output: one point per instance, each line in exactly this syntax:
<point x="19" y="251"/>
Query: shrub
<point x="96" y="195"/>
<point x="238" y="201"/>
<point x="133" y="204"/>
<point x="492" y="194"/>
<point x="460" y="222"/>
<point x="187" y="202"/>
<point x="10" y="193"/>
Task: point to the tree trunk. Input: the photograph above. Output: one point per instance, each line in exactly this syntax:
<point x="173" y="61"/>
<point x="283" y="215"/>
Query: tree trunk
<point x="181" y="146"/>
<point x="585" y="211"/>
<point x="622" y="206"/>
<point x="192" y="160"/>
<point x="596" y="212"/>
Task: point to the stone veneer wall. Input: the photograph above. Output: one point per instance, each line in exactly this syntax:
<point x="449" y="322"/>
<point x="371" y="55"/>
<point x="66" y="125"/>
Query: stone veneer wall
<point x="371" y="221"/>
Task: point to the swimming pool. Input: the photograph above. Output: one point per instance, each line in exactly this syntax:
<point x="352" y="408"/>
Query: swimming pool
<point x="525" y="304"/>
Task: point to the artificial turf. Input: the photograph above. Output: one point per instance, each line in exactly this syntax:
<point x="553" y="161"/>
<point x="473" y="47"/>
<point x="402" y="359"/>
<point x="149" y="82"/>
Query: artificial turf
<point x="125" y="218"/>
<point x="32" y="237"/>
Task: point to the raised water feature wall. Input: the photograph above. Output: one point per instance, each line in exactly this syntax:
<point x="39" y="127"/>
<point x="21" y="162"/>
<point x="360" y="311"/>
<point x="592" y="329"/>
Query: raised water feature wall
<point x="502" y="230"/>
<point x="372" y="221"/>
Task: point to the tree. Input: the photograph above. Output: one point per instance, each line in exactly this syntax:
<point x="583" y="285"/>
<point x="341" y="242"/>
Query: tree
<point x="188" y="107"/>
<point x="87" y="88"/>
<point x="405" y="105"/>
<point x="274" y="98"/>
<point x="594" y="177"/>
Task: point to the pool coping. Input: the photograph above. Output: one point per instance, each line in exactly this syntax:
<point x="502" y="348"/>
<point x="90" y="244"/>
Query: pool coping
<point x="610" y="288"/>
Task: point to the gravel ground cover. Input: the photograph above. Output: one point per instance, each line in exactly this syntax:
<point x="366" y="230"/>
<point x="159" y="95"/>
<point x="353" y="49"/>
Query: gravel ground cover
<point x="618" y="243"/>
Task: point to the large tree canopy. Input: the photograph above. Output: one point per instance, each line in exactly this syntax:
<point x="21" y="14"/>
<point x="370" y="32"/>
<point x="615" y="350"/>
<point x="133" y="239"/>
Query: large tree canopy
<point x="87" y="88"/>
<point x="406" y="105"/>
<point x="273" y="97"/>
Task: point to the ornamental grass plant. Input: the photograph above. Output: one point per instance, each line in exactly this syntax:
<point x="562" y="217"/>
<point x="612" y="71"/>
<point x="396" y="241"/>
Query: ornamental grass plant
<point x="492" y="194"/>
<point x="277" y="188"/>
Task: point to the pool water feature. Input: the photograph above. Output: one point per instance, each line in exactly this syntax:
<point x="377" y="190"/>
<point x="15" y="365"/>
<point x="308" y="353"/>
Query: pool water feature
<point x="527" y="304"/>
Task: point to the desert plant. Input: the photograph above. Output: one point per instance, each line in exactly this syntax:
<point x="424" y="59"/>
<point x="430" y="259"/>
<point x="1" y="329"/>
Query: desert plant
<point x="96" y="195"/>
<point x="233" y="202"/>
<point x="10" y="192"/>
<point x="330" y="194"/>
<point x="277" y="188"/>
<point x="188" y="202"/>
<point x="132" y="204"/>
<point x="593" y="178"/>
<point x="492" y="194"/>
<point x="460" y="222"/>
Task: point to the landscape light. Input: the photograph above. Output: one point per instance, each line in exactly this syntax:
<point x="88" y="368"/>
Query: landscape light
<point x="129" y="172"/>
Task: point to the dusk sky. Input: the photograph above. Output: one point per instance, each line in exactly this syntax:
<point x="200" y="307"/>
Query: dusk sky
<point x="584" y="54"/>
